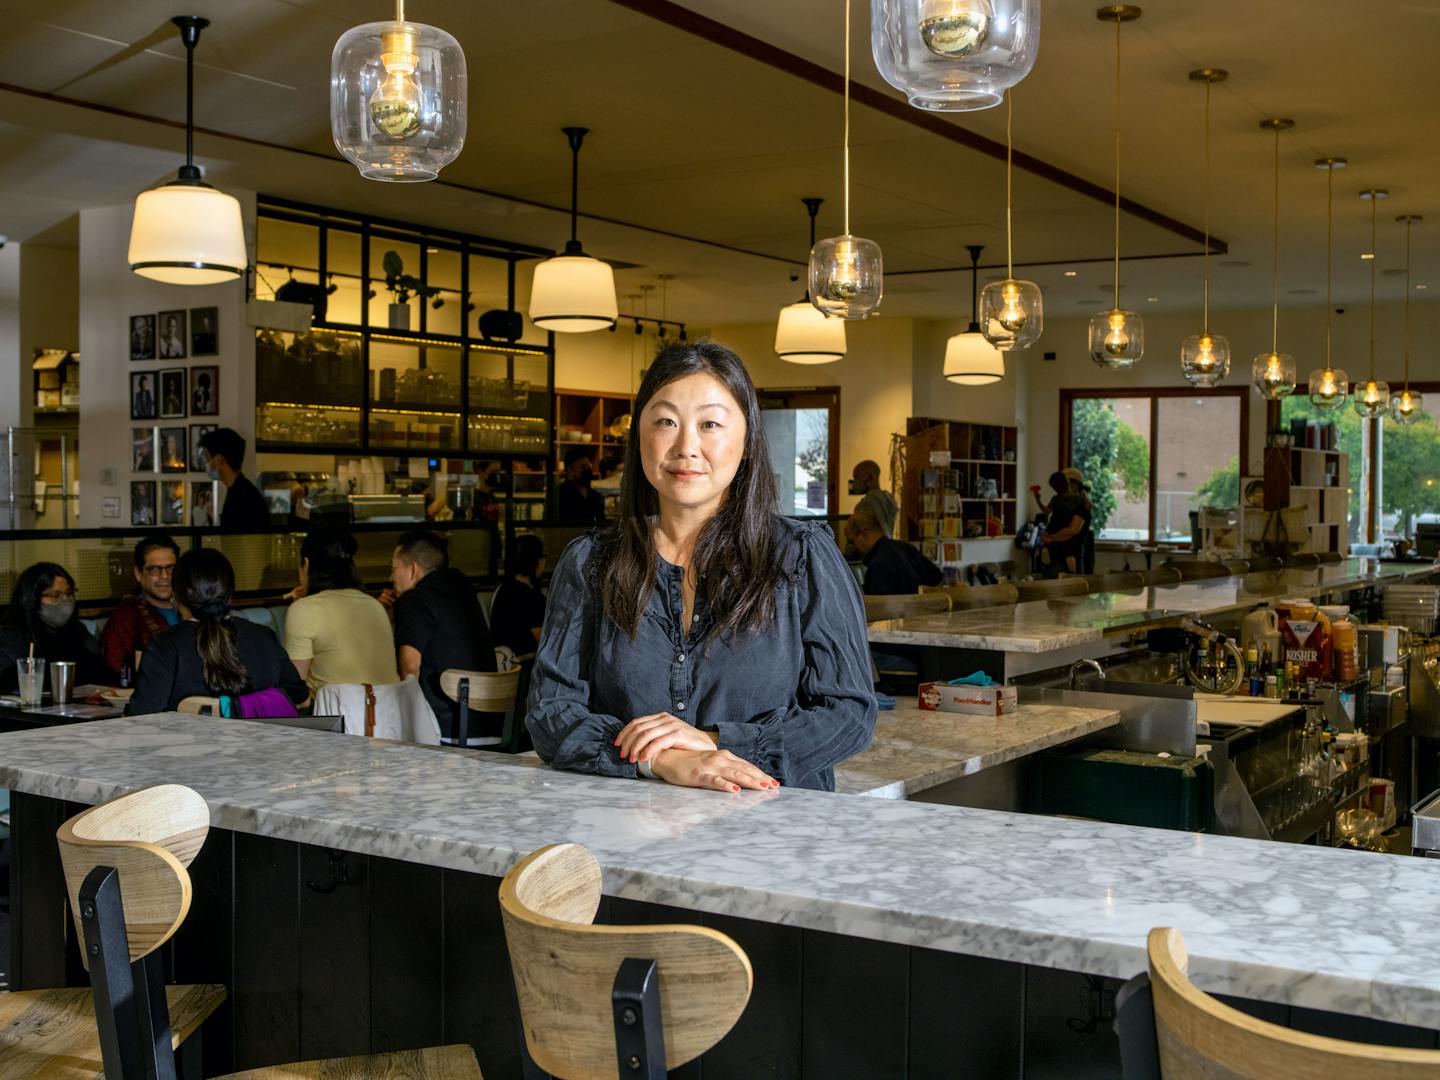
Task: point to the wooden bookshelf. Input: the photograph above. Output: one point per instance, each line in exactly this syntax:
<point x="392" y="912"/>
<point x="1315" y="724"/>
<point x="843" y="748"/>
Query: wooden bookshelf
<point x="589" y="412"/>
<point x="981" y="454"/>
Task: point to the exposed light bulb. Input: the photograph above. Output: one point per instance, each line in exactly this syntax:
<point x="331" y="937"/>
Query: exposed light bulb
<point x="1274" y="370"/>
<point x="1405" y="407"/>
<point x="1372" y="393"/>
<point x="395" y="106"/>
<point x="845" y="274"/>
<point x="1205" y="358"/>
<point x="1012" y="312"/>
<point x="955" y="28"/>
<point x="1327" y="384"/>
<point x="1117" y="341"/>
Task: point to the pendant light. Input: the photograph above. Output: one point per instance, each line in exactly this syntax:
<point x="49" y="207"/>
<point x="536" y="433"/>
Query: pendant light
<point x="186" y="232"/>
<point x="398" y="98"/>
<point x="954" y="55"/>
<point x="1273" y="373"/>
<point x="1205" y="357"/>
<point x="573" y="293"/>
<point x="1372" y="398"/>
<point x="1117" y="336"/>
<point x="803" y="334"/>
<point x="970" y="359"/>
<point x="1406" y="405"/>
<point x="1012" y="313"/>
<point x="847" y="274"/>
<point x="1328" y="385"/>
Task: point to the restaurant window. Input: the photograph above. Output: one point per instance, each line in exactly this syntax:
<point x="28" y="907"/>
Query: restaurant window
<point x="803" y="430"/>
<point x="1409" y="471"/>
<point x="1150" y="457"/>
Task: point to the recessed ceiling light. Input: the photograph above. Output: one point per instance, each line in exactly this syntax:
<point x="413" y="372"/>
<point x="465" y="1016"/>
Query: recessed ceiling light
<point x="1152" y="299"/>
<point x="1367" y="256"/>
<point x="1422" y="287"/>
<point x="1070" y="273"/>
<point x="1302" y="292"/>
<point x="432" y="251"/>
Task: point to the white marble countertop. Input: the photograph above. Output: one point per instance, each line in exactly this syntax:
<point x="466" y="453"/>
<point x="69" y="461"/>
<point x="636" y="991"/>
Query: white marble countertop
<point x="1075" y="895"/>
<point x="916" y="749"/>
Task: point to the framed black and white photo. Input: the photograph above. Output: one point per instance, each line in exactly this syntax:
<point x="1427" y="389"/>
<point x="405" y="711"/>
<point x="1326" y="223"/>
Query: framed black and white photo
<point x="172" y="335"/>
<point x="205" y="391"/>
<point x="202" y="504"/>
<point x="142" y="502"/>
<point x="172" y="393"/>
<point x="142" y="337"/>
<point x="204" y="331"/>
<point x="199" y="459"/>
<point x="172" y="502"/>
<point x="142" y="454"/>
<point x="143" y="403"/>
<point x="172" y="450"/>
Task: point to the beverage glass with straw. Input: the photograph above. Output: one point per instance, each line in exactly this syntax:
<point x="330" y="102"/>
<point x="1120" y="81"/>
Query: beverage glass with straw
<point x="30" y="673"/>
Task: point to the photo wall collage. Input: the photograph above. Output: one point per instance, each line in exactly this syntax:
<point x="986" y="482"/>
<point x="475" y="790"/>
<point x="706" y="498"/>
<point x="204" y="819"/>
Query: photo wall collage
<point x="163" y="396"/>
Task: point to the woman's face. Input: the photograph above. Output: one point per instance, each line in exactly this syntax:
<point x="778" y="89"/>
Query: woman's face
<point x="692" y="440"/>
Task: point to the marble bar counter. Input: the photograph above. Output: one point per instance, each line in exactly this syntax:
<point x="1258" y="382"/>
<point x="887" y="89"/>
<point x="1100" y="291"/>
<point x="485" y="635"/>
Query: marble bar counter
<point x="1025" y="889"/>
<point x="916" y="750"/>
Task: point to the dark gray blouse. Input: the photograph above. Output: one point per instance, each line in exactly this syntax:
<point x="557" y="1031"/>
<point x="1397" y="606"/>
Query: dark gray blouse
<point x="793" y="699"/>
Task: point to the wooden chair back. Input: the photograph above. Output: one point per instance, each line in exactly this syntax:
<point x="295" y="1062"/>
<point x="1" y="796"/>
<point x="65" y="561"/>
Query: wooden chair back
<point x="1049" y="590"/>
<point x="1197" y="569"/>
<point x="548" y="903"/>
<point x="199" y="706"/>
<point x="490" y="691"/>
<point x="1117" y="581"/>
<point x="901" y="606"/>
<point x="954" y="592"/>
<point x="1330" y="557"/>
<point x="1303" y="561"/>
<point x="1199" y="1038"/>
<point x="1236" y="566"/>
<point x="1264" y="562"/>
<point x="1162" y="575"/>
<point x="983" y="596"/>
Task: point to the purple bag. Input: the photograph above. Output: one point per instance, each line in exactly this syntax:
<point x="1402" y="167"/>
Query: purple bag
<point x="272" y="702"/>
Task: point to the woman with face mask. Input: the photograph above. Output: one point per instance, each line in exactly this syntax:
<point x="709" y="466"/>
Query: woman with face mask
<point x="42" y="613"/>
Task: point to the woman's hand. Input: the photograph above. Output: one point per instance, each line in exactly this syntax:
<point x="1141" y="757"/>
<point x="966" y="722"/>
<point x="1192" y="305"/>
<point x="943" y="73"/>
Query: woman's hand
<point x="719" y="770"/>
<point x="645" y="736"/>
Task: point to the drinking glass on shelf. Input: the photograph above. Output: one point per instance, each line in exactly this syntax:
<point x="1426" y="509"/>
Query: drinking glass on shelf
<point x="31" y="673"/>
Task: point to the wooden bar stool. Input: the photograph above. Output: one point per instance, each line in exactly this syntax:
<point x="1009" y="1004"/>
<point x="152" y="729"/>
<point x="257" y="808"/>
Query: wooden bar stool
<point x="199" y="706"/>
<point x="902" y="605"/>
<point x="137" y="847"/>
<point x="489" y="692"/>
<point x="1169" y="1029"/>
<point x="983" y="596"/>
<point x="1162" y="575"/>
<point x="629" y="1001"/>
<point x="1049" y="590"/>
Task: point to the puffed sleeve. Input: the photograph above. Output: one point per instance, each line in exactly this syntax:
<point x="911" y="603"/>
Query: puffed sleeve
<point x="833" y="714"/>
<point x="564" y="730"/>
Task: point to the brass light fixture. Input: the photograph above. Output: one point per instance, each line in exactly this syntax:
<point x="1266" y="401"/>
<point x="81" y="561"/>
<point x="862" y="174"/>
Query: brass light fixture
<point x="1406" y="405"/>
<point x="1012" y="313"/>
<point x="1117" y="336"/>
<point x="1372" y="398"/>
<point x="1329" y="385"/>
<point x="1205" y="357"/>
<point x="1273" y="373"/>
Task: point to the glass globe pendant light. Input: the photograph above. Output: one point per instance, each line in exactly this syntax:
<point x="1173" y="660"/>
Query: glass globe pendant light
<point x="1205" y="357"/>
<point x="1372" y="398"/>
<point x="970" y="359"/>
<point x="1117" y="336"/>
<point x="573" y="293"/>
<point x="1012" y="313"/>
<point x="1273" y="373"/>
<point x="954" y="55"/>
<point x="847" y="273"/>
<point x="1406" y="405"/>
<point x="1329" y="386"/>
<point x="185" y="232"/>
<point x="397" y="99"/>
<point x="803" y="333"/>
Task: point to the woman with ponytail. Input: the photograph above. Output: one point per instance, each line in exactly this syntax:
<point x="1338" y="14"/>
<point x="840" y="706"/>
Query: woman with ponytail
<point x="210" y="653"/>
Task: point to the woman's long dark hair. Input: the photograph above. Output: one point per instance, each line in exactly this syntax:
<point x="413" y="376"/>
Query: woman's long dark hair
<point x="736" y="569"/>
<point x="204" y="583"/>
<point x="332" y="560"/>
<point x="24" y="609"/>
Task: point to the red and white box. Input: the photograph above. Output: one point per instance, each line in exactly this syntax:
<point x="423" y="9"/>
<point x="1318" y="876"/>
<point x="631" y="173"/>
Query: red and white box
<point x="976" y="700"/>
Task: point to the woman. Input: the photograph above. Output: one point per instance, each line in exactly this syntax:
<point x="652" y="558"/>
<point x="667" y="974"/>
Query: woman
<point x="210" y="654"/>
<point x="702" y="639"/>
<point x="519" y="608"/>
<point x="42" y="613"/>
<point x="334" y="631"/>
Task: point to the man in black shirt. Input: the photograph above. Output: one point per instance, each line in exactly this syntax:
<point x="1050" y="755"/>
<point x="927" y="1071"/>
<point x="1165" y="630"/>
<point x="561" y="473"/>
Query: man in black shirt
<point x="439" y="625"/>
<point x="244" y="509"/>
<point x="576" y="502"/>
<point x="892" y="567"/>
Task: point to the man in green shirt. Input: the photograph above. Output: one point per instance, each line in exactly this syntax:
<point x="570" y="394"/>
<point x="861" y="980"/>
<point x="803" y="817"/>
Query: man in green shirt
<point x="880" y="504"/>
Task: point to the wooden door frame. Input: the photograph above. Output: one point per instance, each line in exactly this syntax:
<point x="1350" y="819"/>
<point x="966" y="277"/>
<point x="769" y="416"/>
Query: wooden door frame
<point x="813" y="397"/>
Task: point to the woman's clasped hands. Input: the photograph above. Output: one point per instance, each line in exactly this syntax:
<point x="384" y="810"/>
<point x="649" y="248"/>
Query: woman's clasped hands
<point x="681" y="754"/>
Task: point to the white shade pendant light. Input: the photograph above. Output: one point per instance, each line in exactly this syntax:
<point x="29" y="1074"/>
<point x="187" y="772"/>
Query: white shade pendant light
<point x="573" y="293"/>
<point x="1372" y="398"/>
<point x="847" y="273"/>
<point x="1273" y="373"/>
<point x="970" y="359"/>
<point x="398" y="99"/>
<point x="1012" y="313"/>
<point x="803" y="333"/>
<point x="1405" y="405"/>
<point x="1329" y="386"/>
<point x="1117" y="336"/>
<point x="1205" y="357"/>
<point x="186" y="232"/>
<point x="954" y="55"/>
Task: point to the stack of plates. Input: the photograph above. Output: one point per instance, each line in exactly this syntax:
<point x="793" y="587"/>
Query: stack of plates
<point x="1415" y="606"/>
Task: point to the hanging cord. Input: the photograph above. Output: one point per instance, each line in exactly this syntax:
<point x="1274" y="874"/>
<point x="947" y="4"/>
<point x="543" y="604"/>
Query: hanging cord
<point x="1009" y="183"/>
<point x="1275" y="258"/>
<point x="1374" y="258"/>
<point x="190" y="100"/>
<point x="1409" y="220"/>
<point x="1117" y="165"/>
<point x="399" y="10"/>
<point x="1205" y="255"/>
<point x="1329" y="252"/>
<point x="847" y="118"/>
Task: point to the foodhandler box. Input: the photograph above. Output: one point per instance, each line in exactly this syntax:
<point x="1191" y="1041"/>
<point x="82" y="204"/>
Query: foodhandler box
<point x="960" y="698"/>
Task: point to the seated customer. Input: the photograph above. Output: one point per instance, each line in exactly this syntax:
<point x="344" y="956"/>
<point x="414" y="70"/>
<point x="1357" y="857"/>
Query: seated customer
<point x="210" y="654"/>
<point x="335" y="632"/>
<point x="439" y="625"/>
<point x="149" y="609"/>
<point x="892" y="567"/>
<point x="519" y="608"/>
<point x="576" y="502"/>
<point x="42" y="613"/>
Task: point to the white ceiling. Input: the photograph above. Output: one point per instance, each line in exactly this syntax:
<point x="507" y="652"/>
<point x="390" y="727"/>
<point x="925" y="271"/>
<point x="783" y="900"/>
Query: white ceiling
<point x="694" y="139"/>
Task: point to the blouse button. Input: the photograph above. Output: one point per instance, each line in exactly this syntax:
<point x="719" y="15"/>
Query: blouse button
<point x="679" y="706"/>
<point x="680" y="659"/>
